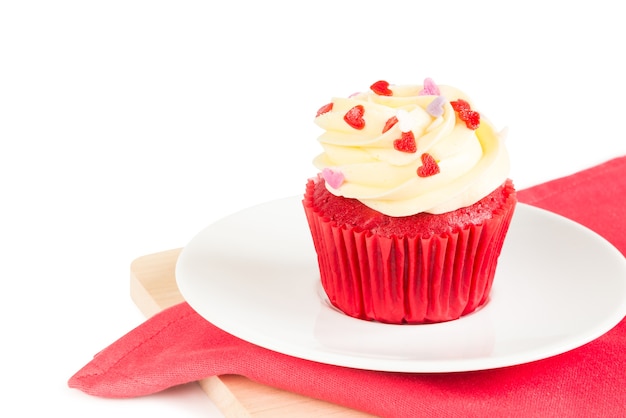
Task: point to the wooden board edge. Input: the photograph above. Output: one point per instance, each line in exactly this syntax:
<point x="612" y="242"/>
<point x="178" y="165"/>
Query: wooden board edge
<point x="153" y="288"/>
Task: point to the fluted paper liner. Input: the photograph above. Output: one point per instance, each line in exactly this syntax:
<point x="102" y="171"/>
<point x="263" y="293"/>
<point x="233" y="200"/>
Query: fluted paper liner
<point x="408" y="280"/>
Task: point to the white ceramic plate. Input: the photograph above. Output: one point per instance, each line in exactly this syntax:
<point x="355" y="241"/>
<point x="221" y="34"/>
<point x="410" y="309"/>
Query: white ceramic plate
<point x="254" y="275"/>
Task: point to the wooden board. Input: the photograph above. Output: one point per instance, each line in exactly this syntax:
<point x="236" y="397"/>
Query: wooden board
<point x="153" y="288"/>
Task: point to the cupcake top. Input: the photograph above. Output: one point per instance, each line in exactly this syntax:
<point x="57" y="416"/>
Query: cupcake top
<point x="407" y="149"/>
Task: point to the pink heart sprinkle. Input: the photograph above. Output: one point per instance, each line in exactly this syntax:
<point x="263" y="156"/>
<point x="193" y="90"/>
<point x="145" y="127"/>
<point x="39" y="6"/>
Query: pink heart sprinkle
<point x="430" y="88"/>
<point x="435" y="108"/>
<point x="333" y="178"/>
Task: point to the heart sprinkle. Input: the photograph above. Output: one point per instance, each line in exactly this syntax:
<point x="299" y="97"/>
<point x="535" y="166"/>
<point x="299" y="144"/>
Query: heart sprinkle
<point x="466" y="114"/>
<point x="381" y="88"/>
<point x="406" y="143"/>
<point x="435" y="108"/>
<point x="333" y="178"/>
<point x="325" y="109"/>
<point x="389" y="124"/>
<point x="354" y="117"/>
<point x="429" y="89"/>
<point x="429" y="166"/>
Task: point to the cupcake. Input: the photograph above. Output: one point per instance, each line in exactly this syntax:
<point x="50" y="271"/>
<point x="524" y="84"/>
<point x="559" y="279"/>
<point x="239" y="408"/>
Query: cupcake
<point x="411" y="206"/>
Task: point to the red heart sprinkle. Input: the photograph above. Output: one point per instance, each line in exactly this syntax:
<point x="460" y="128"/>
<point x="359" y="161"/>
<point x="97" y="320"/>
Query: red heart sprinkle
<point x="429" y="166"/>
<point x="354" y="117"/>
<point x="325" y="109"/>
<point x="406" y="143"/>
<point x="389" y="124"/>
<point x="472" y="119"/>
<point x="460" y="105"/>
<point x="466" y="114"/>
<point x="381" y="88"/>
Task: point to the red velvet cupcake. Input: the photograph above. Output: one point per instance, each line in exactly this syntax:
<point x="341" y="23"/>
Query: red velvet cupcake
<point x="410" y="211"/>
<point x="417" y="269"/>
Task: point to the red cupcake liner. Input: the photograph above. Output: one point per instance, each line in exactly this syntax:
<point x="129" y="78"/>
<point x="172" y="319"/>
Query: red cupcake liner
<point x="407" y="280"/>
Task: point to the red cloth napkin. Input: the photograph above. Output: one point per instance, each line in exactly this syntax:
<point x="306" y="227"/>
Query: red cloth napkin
<point x="177" y="346"/>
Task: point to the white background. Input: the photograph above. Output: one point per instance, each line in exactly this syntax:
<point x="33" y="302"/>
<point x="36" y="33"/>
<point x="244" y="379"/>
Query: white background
<point x="128" y="126"/>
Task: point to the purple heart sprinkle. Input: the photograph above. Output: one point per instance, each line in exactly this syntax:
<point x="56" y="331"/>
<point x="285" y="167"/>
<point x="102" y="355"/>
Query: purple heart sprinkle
<point x="435" y="108"/>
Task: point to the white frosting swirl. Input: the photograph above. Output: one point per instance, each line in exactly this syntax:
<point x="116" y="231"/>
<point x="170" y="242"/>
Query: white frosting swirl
<point x="367" y="166"/>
